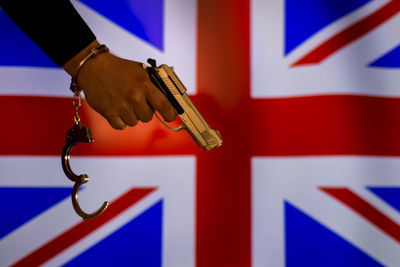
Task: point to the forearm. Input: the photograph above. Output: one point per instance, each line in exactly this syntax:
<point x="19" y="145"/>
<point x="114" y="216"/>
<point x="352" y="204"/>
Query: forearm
<point x="54" y="26"/>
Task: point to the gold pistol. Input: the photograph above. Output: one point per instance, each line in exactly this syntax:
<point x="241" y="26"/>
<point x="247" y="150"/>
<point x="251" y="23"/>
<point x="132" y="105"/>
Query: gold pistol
<point x="166" y="80"/>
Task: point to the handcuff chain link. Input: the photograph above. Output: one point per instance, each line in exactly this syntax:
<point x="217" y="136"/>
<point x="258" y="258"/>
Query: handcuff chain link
<point x="77" y="102"/>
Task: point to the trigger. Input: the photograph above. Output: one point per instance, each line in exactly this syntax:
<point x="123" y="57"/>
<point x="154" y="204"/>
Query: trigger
<point x="166" y="125"/>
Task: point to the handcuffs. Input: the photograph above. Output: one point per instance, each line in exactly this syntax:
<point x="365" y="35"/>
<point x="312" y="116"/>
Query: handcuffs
<point x="79" y="134"/>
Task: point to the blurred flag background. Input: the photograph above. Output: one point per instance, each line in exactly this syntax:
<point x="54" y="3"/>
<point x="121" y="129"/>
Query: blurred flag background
<point x="305" y="95"/>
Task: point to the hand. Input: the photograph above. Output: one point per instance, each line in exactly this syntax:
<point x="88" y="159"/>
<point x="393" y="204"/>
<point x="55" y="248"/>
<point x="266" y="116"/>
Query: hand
<point x="121" y="91"/>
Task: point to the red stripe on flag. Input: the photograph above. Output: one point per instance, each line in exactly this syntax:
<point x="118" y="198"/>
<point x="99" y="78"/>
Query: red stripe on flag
<point x="82" y="229"/>
<point x="324" y="125"/>
<point x="350" y="34"/>
<point x="365" y="209"/>
<point x="315" y="125"/>
<point x="34" y="125"/>
<point x="223" y="208"/>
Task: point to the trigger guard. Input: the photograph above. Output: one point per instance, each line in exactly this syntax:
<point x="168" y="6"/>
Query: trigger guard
<point x="177" y="129"/>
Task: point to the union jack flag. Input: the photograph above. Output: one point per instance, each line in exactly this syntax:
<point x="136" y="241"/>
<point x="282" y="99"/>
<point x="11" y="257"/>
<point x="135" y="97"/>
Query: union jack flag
<point x="305" y="94"/>
<point x="333" y="199"/>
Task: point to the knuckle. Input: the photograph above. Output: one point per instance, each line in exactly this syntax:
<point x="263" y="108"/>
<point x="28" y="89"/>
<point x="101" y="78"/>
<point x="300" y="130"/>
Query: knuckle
<point x="114" y="121"/>
<point x="117" y="125"/>
<point x="135" y="97"/>
<point x="171" y="117"/>
<point x="165" y="106"/>
<point x="133" y="123"/>
<point x="107" y="115"/>
<point x="129" y="118"/>
<point x="120" y="127"/>
<point x="147" y="118"/>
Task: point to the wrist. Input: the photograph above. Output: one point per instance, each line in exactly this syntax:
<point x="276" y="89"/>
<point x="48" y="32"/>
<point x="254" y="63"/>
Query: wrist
<point x="94" y="52"/>
<point x="71" y="65"/>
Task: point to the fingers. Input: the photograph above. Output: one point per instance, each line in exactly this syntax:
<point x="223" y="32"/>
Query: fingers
<point x="161" y="104"/>
<point x="124" y="95"/>
<point x="134" y="109"/>
<point x="129" y="117"/>
<point x="143" y="111"/>
<point x="117" y="123"/>
<point x="130" y="110"/>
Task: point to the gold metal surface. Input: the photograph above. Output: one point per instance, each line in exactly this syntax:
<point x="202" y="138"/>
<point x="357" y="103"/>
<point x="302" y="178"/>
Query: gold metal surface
<point x="78" y="134"/>
<point x="193" y="122"/>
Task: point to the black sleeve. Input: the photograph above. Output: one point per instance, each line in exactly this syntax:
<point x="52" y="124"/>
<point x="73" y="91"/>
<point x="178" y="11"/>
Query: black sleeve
<point x="54" y="25"/>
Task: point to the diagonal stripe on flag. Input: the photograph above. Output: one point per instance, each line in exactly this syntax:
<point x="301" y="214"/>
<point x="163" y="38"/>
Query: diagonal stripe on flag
<point x="365" y="209"/>
<point x="350" y="34"/>
<point x="82" y="229"/>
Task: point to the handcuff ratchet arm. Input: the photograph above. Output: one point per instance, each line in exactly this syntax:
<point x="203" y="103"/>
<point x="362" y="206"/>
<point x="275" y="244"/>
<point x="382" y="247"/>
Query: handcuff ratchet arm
<point x="78" y="134"/>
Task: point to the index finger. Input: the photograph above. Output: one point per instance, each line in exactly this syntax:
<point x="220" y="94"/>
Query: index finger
<point x="160" y="102"/>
